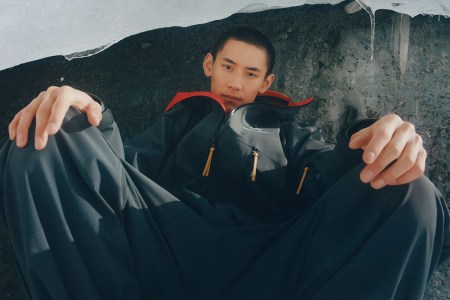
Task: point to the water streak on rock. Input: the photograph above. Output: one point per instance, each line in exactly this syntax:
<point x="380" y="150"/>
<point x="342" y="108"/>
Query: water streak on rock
<point x="372" y="26"/>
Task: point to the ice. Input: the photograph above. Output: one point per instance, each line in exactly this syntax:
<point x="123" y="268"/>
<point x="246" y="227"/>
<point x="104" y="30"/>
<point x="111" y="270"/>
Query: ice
<point x="31" y="29"/>
<point x="372" y="26"/>
<point x="401" y="31"/>
<point x="87" y="53"/>
<point x="412" y="7"/>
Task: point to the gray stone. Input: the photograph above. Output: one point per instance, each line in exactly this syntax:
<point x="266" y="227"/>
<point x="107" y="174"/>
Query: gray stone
<point x="322" y="51"/>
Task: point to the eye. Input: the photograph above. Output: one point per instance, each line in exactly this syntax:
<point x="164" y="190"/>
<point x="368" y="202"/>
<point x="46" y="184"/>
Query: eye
<point x="252" y="75"/>
<point x="227" y="67"/>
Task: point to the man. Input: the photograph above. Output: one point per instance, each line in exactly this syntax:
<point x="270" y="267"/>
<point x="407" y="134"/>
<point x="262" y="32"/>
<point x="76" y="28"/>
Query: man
<point x="225" y="197"/>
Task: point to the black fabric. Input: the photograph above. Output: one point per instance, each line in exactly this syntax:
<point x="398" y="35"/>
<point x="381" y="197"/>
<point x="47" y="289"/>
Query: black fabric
<point x="92" y="219"/>
<point x="174" y="152"/>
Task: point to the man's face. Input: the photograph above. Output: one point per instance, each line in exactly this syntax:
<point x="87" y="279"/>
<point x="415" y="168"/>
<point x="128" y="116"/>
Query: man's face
<point x="238" y="73"/>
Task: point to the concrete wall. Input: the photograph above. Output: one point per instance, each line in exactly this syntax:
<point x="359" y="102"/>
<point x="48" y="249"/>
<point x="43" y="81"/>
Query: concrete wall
<point x="322" y="51"/>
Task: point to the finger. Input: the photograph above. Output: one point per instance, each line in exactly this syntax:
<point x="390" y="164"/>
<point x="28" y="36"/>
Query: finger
<point x="94" y="113"/>
<point x="70" y="97"/>
<point x="381" y="136"/>
<point x="58" y="111"/>
<point x="27" y="115"/>
<point x="42" y="117"/>
<point x="360" y="139"/>
<point x="403" y="165"/>
<point x="415" y="172"/>
<point x="401" y="152"/>
<point x="12" y="127"/>
<point x="411" y="161"/>
<point x="395" y="149"/>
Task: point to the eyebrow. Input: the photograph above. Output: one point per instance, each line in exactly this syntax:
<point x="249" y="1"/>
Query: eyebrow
<point x="229" y="60"/>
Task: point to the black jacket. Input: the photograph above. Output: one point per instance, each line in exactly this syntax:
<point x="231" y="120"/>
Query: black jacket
<point x="196" y="129"/>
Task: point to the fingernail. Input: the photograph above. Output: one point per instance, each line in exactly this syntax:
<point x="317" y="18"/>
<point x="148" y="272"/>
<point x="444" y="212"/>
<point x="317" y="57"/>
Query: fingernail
<point x="39" y="143"/>
<point x="366" y="176"/>
<point x="378" y="184"/>
<point x="354" y="137"/>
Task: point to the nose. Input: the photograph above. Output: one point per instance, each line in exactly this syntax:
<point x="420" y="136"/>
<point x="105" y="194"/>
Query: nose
<point x="235" y="83"/>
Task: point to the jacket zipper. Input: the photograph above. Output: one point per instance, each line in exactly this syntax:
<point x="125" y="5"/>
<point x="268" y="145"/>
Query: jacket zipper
<point x="207" y="167"/>
<point x="300" y="185"/>
<point x="255" y="164"/>
<point x="212" y="148"/>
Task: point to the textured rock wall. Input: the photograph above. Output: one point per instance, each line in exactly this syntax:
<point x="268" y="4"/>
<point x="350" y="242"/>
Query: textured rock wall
<point x="321" y="51"/>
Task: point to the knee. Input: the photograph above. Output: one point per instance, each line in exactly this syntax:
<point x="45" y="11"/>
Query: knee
<point x="70" y="121"/>
<point x="422" y="204"/>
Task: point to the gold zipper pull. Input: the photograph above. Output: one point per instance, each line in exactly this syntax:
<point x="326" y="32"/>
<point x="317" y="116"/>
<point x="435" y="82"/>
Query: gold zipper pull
<point x="208" y="161"/>
<point x="255" y="163"/>
<point x="305" y="171"/>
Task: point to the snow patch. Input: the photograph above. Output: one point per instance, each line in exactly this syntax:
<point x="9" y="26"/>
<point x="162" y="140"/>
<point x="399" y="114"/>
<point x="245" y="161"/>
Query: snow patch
<point x="31" y="30"/>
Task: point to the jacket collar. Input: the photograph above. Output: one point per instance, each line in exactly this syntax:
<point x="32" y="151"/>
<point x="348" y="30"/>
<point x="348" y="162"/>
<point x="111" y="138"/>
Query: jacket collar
<point x="270" y="97"/>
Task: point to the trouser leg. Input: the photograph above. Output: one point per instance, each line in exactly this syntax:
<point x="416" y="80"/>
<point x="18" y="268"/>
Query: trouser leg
<point x="85" y="224"/>
<point x="70" y="209"/>
<point x="353" y="243"/>
<point x="379" y="245"/>
<point x="375" y="244"/>
<point x="61" y="206"/>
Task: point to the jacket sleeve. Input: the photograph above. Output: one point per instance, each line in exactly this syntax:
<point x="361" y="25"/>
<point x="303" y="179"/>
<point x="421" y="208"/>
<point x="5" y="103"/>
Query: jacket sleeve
<point x="322" y="163"/>
<point x="109" y="128"/>
<point x="342" y="158"/>
<point x="149" y="151"/>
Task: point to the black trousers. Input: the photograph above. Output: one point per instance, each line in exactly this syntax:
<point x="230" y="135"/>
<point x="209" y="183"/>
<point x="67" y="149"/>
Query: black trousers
<point x="85" y="224"/>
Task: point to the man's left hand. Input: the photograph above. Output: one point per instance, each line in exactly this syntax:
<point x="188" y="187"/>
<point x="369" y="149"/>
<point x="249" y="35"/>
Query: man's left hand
<point x="393" y="152"/>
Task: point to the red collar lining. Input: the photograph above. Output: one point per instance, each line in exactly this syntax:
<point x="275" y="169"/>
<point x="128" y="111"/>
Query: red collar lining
<point x="180" y="96"/>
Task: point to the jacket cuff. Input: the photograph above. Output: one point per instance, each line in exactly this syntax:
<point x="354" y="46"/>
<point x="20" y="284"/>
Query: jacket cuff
<point x="355" y="127"/>
<point x="98" y="100"/>
<point x="346" y="158"/>
<point x="107" y="118"/>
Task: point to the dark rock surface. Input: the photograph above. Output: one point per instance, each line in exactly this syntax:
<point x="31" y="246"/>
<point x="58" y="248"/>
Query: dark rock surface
<point x="321" y="51"/>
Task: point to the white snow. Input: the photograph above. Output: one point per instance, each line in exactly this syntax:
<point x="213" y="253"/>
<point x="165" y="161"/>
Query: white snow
<point x="32" y="29"/>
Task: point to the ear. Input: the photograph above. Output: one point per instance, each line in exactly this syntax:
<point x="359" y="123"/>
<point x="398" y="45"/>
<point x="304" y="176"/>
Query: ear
<point x="267" y="83"/>
<point x="208" y="64"/>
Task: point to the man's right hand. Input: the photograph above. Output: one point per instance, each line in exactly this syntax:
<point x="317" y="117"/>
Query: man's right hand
<point x="49" y="109"/>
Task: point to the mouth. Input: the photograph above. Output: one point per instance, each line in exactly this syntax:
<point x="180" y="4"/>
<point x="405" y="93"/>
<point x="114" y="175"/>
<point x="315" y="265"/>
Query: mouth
<point x="232" y="99"/>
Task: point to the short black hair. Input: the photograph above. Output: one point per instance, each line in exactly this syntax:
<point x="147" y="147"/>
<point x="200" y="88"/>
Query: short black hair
<point x="250" y="36"/>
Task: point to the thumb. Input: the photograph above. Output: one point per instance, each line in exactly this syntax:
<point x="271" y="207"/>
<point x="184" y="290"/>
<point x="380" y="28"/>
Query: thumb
<point x="360" y="139"/>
